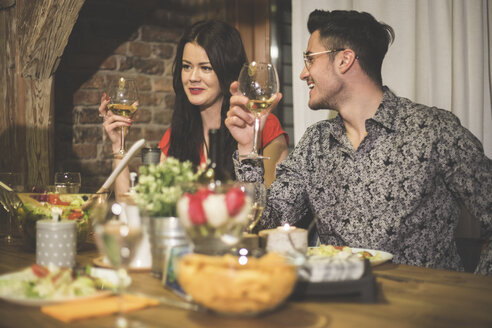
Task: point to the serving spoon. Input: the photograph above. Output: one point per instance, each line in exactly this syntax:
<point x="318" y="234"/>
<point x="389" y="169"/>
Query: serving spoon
<point x="101" y="193"/>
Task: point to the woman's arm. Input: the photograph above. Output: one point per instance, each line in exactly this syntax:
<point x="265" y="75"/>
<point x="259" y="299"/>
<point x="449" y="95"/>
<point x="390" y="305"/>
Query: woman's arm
<point x="277" y="150"/>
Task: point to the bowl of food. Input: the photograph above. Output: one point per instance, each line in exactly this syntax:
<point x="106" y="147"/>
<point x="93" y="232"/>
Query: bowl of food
<point x="41" y="206"/>
<point x="215" y="215"/>
<point x="237" y="285"/>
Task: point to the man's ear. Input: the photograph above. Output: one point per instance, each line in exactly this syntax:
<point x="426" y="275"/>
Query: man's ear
<point x="346" y="59"/>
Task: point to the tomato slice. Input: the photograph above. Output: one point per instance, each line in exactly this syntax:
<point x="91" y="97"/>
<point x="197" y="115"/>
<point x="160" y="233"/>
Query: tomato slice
<point x="55" y="200"/>
<point x="39" y="270"/>
<point x="75" y="214"/>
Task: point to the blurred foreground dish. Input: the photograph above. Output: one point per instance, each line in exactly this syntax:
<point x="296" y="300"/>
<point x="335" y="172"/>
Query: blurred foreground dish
<point x="237" y="285"/>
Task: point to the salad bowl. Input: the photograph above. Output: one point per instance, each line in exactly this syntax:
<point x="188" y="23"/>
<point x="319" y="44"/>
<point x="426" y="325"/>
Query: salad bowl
<point x="41" y="206"/>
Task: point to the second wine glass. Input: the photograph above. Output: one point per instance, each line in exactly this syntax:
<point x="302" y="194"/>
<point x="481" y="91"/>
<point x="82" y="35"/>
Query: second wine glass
<point x="259" y="203"/>
<point x="124" y="99"/>
<point x="258" y="82"/>
<point x="117" y="237"/>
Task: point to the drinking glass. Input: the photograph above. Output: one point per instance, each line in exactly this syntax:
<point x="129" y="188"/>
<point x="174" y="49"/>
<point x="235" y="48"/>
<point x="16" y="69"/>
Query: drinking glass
<point x="117" y="237"/>
<point x="259" y="202"/>
<point x="124" y="98"/>
<point x="67" y="182"/>
<point x="258" y="82"/>
<point x="10" y="202"/>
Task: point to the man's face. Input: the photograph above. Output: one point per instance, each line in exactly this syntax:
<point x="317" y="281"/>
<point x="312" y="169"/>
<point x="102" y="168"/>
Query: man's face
<point x="323" y="82"/>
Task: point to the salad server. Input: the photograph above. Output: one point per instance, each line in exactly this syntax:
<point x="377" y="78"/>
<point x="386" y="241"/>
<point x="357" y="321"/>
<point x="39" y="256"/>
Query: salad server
<point x="112" y="177"/>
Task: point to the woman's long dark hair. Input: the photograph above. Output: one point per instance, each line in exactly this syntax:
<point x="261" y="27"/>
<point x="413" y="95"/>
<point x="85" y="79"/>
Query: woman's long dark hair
<point x="225" y="50"/>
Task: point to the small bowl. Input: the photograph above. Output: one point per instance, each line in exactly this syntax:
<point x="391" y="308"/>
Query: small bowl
<point x="237" y="285"/>
<point x="215" y="215"/>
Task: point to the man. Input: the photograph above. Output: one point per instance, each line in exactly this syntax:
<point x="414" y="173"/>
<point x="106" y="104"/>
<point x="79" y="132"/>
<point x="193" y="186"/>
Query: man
<point x="386" y="173"/>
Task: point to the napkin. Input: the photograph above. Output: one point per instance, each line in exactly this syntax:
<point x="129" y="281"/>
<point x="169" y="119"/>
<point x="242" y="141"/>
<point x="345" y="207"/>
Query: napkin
<point x="68" y="312"/>
<point x="324" y="269"/>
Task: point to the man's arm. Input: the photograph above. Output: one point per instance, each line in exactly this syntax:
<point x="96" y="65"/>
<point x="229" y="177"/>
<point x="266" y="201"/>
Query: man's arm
<point x="468" y="174"/>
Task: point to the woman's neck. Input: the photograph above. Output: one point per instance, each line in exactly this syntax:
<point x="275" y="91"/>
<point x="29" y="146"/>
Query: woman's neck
<point x="211" y="117"/>
<point x="210" y="120"/>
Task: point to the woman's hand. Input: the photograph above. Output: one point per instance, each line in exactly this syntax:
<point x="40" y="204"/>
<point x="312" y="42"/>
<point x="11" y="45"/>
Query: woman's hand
<point x="240" y="121"/>
<point x="112" y="123"/>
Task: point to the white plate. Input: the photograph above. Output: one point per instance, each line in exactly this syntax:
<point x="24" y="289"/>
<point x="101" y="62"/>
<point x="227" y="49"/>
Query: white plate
<point x="22" y="300"/>
<point x="103" y="262"/>
<point x="385" y="256"/>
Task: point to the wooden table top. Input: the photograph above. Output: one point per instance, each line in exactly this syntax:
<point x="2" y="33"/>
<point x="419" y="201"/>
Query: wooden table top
<point x="408" y="296"/>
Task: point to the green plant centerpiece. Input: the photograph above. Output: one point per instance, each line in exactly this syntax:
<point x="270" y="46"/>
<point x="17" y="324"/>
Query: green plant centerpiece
<point x="160" y="186"/>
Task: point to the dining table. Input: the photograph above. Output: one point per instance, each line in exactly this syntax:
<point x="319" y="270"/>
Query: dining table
<point x="406" y="296"/>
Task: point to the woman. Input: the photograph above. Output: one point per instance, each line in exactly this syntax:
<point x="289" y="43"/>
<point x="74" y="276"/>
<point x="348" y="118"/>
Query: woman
<point x="208" y="59"/>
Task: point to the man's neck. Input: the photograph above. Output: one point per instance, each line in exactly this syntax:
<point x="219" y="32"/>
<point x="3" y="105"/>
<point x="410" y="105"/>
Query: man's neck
<point x="357" y="109"/>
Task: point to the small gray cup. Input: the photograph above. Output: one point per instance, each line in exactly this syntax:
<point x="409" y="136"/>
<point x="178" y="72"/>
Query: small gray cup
<point x="151" y="156"/>
<point x="56" y="243"/>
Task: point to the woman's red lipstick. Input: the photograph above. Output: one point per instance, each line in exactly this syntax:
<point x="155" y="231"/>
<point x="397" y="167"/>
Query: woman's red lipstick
<point x="196" y="91"/>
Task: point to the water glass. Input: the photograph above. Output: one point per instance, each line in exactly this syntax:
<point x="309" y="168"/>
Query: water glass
<point x="67" y="182"/>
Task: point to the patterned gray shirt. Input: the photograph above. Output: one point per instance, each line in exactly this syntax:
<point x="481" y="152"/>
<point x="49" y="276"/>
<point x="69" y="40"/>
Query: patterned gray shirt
<point x="398" y="192"/>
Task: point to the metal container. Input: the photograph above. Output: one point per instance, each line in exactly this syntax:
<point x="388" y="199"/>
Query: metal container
<point x="56" y="243"/>
<point x="165" y="233"/>
<point x="151" y="156"/>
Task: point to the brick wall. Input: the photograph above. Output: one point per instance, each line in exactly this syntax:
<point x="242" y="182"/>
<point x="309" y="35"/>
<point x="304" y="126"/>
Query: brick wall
<point x="113" y="37"/>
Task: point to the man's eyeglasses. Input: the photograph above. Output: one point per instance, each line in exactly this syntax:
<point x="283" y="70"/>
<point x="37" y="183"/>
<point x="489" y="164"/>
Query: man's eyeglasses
<point x="308" y="57"/>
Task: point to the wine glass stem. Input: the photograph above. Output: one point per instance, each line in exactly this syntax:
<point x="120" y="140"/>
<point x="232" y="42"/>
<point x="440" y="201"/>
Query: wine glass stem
<point x="9" y="239"/>
<point x="122" y="146"/>
<point x="121" y="320"/>
<point x="256" y="136"/>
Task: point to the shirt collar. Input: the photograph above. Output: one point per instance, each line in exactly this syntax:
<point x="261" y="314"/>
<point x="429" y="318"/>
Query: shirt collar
<point x="388" y="110"/>
<point x="385" y="115"/>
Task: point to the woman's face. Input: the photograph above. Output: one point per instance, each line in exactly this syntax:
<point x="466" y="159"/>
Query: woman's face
<point x="200" y="82"/>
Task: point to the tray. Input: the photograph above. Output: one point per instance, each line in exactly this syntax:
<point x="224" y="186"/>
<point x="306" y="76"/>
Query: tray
<point x="363" y="290"/>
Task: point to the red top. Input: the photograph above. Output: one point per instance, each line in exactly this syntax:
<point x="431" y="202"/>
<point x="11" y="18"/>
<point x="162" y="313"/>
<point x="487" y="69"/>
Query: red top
<point x="272" y="130"/>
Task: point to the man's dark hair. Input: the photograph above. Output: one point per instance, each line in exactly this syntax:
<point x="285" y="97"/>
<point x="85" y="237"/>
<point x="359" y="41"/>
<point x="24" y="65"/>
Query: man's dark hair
<point x="359" y="31"/>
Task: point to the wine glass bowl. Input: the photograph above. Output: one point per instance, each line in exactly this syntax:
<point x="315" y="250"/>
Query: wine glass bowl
<point x="215" y="215"/>
<point x="67" y="182"/>
<point x="123" y="95"/>
<point x="259" y="82"/>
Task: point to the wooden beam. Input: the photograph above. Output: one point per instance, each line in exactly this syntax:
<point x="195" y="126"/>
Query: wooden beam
<point x="7" y="91"/>
<point x="252" y="19"/>
<point x="44" y="28"/>
<point x="34" y="34"/>
<point x="4" y="4"/>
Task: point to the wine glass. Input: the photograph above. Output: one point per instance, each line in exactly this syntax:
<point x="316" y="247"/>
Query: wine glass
<point x="259" y="203"/>
<point x="67" y="182"/>
<point x="117" y="237"/>
<point x="124" y="98"/>
<point x="10" y="202"/>
<point x="258" y="82"/>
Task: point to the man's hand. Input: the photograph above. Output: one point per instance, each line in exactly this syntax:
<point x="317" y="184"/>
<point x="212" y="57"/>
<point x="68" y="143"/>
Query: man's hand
<point x="240" y="121"/>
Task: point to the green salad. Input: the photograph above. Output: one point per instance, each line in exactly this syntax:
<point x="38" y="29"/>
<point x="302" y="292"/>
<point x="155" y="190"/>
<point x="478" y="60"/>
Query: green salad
<point x="51" y="283"/>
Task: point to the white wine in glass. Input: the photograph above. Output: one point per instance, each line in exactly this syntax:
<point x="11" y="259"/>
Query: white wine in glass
<point x="258" y="82"/>
<point x="124" y="99"/>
